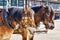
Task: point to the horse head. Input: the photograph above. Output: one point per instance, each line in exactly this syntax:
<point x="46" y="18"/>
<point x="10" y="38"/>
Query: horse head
<point x="44" y="15"/>
<point x="27" y="16"/>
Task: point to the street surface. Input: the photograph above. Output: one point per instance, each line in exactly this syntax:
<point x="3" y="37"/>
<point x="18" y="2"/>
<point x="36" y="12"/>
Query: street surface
<point x="50" y="35"/>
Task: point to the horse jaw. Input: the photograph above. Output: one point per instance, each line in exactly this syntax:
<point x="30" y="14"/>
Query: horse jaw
<point x="51" y="26"/>
<point x="41" y="26"/>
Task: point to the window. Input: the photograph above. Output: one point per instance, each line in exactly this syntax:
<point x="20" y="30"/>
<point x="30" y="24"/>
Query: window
<point x="13" y="2"/>
<point x="20" y="2"/>
<point x="3" y="2"/>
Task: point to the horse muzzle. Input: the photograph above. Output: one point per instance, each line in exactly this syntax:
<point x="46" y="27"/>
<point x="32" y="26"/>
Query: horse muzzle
<point x="52" y="27"/>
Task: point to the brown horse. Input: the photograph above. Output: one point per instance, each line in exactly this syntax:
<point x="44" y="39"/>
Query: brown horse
<point x="31" y="28"/>
<point x="27" y="24"/>
<point x="43" y="15"/>
<point x="20" y="25"/>
<point x="5" y="30"/>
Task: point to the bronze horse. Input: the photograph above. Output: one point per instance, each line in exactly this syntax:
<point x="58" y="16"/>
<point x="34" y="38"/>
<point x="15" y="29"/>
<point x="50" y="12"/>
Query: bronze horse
<point x="21" y="22"/>
<point x="5" y="30"/>
<point x="27" y="22"/>
<point x="44" y="15"/>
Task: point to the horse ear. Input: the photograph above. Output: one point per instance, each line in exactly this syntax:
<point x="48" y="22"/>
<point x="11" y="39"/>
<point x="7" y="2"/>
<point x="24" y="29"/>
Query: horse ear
<point x="27" y="9"/>
<point x="51" y="8"/>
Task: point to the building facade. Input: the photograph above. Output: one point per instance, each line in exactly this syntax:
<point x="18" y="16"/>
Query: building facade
<point x="20" y="4"/>
<point x="12" y="3"/>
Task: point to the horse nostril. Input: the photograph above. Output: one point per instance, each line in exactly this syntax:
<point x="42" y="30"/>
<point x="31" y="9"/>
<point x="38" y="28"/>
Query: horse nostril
<point x="52" y="27"/>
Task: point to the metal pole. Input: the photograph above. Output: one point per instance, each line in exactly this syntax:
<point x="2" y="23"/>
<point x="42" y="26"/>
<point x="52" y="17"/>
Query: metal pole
<point x="25" y="3"/>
